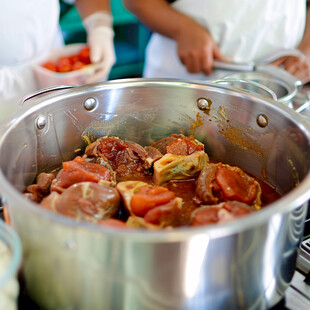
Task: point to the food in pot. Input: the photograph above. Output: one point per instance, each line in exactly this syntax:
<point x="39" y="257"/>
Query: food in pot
<point x="223" y="212"/>
<point x="219" y="182"/>
<point x="81" y="170"/>
<point x="175" y="167"/>
<point x="148" y="204"/>
<point x="88" y="201"/>
<point x="124" y="157"/>
<point x="170" y="183"/>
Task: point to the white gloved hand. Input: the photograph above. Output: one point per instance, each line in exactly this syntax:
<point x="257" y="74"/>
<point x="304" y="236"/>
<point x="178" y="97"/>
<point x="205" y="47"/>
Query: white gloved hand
<point x="100" y="36"/>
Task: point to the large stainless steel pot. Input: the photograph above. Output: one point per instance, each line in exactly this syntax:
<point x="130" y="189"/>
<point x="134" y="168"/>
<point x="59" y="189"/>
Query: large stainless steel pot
<point x="245" y="264"/>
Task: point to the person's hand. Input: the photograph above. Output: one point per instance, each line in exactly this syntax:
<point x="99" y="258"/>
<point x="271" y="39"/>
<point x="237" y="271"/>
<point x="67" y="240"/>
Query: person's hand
<point x="297" y="66"/>
<point x="197" y="50"/>
<point x="100" y="40"/>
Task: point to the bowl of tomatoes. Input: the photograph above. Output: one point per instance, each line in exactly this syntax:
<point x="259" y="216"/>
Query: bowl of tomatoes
<point x="69" y="65"/>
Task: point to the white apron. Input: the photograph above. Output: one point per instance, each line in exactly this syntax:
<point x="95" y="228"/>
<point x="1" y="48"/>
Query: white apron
<point x="28" y="30"/>
<point x="245" y="30"/>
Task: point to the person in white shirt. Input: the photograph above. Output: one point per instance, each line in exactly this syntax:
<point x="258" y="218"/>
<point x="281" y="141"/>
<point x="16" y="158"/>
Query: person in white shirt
<point x="30" y="29"/>
<point x="189" y="35"/>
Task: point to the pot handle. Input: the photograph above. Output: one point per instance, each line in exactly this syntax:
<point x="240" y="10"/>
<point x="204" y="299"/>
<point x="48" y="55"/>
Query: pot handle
<point x="232" y="66"/>
<point x="264" y="65"/>
<point x="253" y="66"/>
<point x="280" y="53"/>
<point x="44" y="91"/>
<point x="271" y="93"/>
<point x="280" y="74"/>
<point x="305" y="99"/>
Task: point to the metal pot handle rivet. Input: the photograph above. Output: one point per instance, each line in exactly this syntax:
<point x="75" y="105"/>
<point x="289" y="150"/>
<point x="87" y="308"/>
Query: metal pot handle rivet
<point x="262" y="120"/>
<point x="41" y="122"/>
<point x="90" y="104"/>
<point x="204" y="104"/>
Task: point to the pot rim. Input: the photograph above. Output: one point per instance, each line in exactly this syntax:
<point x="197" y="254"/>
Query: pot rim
<point x="297" y="197"/>
<point x="291" y="88"/>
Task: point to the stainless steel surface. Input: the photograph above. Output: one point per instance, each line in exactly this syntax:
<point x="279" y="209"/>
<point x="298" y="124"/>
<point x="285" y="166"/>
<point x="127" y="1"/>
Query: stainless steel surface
<point x="298" y="103"/>
<point x="45" y="91"/>
<point x="304" y="104"/>
<point x="248" y="86"/>
<point x="231" y="66"/>
<point x="280" y="53"/>
<point x="81" y="266"/>
<point x="284" y="85"/>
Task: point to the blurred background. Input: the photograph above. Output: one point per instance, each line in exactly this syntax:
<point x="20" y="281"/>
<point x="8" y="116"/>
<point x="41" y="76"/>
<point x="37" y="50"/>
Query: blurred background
<point x="130" y="38"/>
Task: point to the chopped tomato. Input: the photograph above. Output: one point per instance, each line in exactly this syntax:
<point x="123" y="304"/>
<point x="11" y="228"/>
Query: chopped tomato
<point x="74" y="58"/>
<point x="79" y="170"/>
<point x="78" y="65"/>
<point x="235" y="184"/>
<point x="50" y="66"/>
<point x="148" y="198"/>
<point x="165" y="215"/>
<point x="69" y="63"/>
<point x="84" y="55"/>
<point x="64" y="65"/>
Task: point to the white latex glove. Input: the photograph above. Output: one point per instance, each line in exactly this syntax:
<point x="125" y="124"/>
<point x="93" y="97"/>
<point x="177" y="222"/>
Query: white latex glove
<point x="100" y="36"/>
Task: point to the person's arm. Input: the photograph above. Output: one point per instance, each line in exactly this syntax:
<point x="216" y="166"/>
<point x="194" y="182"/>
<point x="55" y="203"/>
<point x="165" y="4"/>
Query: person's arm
<point x="196" y="48"/>
<point x="299" y="67"/>
<point x="88" y="7"/>
<point x="98" y="22"/>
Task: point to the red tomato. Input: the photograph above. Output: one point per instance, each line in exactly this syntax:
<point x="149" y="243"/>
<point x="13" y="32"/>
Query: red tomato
<point x="84" y="55"/>
<point x="148" y="198"/>
<point x="78" y="65"/>
<point x="71" y="62"/>
<point x="74" y="58"/>
<point x="79" y="170"/>
<point x="50" y="66"/>
<point x="236" y="184"/>
<point x="164" y="215"/>
<point x="64" y="64"/>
